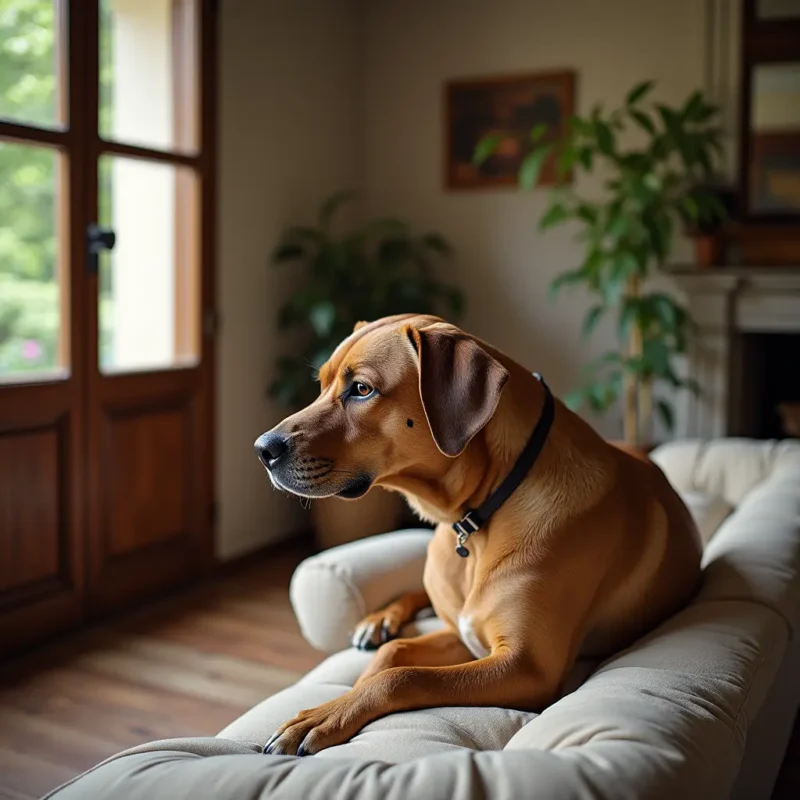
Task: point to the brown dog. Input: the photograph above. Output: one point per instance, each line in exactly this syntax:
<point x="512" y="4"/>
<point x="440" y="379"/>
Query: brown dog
<point x="592" y="549"/>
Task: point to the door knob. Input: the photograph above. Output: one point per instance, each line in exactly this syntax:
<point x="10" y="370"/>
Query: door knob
<point x="97" y="240"/>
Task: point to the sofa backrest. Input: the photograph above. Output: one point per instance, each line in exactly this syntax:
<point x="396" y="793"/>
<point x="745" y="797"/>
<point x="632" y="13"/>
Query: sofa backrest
<point x="728" y="468"/>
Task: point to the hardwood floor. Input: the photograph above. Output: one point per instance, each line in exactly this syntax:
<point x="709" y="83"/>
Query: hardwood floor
<point x="186" y="666"/>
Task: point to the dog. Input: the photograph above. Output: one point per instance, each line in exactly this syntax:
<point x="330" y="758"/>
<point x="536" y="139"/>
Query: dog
<point x="591" y="550"/>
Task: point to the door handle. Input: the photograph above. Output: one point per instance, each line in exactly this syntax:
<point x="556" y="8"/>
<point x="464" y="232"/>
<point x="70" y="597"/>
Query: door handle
<point x="97" y="240"/>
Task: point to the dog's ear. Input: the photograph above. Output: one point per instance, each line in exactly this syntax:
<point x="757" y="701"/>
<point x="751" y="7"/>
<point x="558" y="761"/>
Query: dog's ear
<point x="459" y="383"/>
<point x="359" y="325"/>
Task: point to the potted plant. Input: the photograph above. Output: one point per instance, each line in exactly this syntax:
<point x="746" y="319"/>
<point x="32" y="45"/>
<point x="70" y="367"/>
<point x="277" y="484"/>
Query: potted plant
<point x="361" y="273"/>
<point x="707" y="231"/>
<point x="649" y="182"/>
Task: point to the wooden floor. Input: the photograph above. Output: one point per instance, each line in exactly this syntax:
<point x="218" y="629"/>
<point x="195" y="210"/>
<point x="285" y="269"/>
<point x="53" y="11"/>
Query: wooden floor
<point x="184" y="667"/>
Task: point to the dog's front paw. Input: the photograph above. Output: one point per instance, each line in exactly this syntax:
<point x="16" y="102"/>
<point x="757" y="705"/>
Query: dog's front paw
<point x="377" y="629"/>
<point x="313" y="730"/>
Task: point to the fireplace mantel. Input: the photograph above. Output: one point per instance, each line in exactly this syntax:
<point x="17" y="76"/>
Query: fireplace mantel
<point x="727" y="302"/>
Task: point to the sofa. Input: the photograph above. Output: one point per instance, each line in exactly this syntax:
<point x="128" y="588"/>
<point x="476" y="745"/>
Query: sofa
<point x="701" y="707"/>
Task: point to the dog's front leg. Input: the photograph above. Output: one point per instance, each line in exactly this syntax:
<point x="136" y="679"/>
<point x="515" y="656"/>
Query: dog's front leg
<point x="504" y="678"/>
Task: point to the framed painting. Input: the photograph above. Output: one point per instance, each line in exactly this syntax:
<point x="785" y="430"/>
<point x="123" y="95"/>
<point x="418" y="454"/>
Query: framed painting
<point x="508" y="106"/>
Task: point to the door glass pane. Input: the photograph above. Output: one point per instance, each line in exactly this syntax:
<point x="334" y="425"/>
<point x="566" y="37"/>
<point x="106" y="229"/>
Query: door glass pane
<point x="147" y="73"/>
<point x="30" y="62"/>
<point x="32" y="310"/>
<point x="149" y="293"/>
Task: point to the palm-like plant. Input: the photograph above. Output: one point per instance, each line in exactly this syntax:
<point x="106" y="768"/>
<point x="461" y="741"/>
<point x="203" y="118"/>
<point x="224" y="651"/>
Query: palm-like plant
<point x="627" y="235"/>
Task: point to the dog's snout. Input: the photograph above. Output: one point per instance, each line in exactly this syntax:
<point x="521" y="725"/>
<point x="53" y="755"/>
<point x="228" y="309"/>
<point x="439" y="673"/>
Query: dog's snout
<point x="271" y="447"/>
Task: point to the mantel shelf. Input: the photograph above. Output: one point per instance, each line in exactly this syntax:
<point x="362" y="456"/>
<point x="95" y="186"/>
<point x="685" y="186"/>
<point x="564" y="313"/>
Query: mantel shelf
<point x="691" y="271"/>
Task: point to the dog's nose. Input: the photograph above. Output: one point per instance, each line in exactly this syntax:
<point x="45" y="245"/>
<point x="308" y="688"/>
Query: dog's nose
<point x="271" y="447"/>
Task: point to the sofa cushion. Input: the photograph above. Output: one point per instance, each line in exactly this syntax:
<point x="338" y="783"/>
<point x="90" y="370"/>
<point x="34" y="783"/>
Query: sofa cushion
<point x="730" y="467"/>
<point x="395" y="738"/>
<point x="708" y="510"/>
<point x="755" y="555"/>
<point x="333" y="590"/>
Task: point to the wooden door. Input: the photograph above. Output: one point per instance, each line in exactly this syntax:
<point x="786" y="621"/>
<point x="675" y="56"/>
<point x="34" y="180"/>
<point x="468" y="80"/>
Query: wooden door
<point x="106" y="357"/>
<point x="42" y="304"/>
<point x="150" y="323"/>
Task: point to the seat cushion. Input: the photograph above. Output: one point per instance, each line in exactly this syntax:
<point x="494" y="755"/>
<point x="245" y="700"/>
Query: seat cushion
<point x="396" y="738"/>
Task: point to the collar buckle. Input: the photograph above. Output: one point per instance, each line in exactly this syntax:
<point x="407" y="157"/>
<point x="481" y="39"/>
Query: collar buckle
<point x="467" y="525"/>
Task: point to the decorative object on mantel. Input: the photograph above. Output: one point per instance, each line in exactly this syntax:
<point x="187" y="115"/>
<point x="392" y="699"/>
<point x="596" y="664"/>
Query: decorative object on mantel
<point x="375" y="270"/>
<point x="710" y="232"/>
<point x="628" y="234"/>
<point x="505" y="107"/>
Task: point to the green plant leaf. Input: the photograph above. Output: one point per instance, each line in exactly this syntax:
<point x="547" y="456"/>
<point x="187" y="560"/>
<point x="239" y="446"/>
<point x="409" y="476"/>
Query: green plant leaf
<point x="656" y="354"/>
<point x="665" y="309"/>
<point x="538" y="131"/>
<point x="331" y="205"/>
<point x="689" y="205"/>
<point x="638" y="92"/>
<point x="604" y="360"/>
<point x="287" y="252"/>
<point x="394" y="251"/>
<point x="587" y="213"/>
<point x="618" y="224"/>
<point x="554" y="215"/>
<point x="566" y="161"/>
<point x="586" y="157"/>
<point x="437" y="243"/>
<point x="665" y="412"/>
<point x="592" y="318"/>
<point x="321" y="317"/>
<point x="644" y="121"/>
<point x="574" y="276"/>
<point x="486" y="147"/>
<point x="532" y="166"/>
<point x="669" y="118"/>
<point x="574" y="400"/>
<point x="627" y="317"/>
<point x="623" y="265"/>
<point x="605" y="137"/>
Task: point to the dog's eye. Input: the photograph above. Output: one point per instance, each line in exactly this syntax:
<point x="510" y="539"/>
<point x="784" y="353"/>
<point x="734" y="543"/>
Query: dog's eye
<point x="362" y="390"/>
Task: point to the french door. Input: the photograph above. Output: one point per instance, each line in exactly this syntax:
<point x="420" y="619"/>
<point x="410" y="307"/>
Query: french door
<point x="106" y="306"/>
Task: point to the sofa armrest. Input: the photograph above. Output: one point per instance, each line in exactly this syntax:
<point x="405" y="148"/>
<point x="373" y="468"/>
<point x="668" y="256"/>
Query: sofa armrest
<point x="332" y="591"/>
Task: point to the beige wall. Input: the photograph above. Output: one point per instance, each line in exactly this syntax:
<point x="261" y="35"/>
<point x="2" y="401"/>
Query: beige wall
<point x="288" y="91"/>
<point x="316" y="94"/>
<point x="412" y="46"/>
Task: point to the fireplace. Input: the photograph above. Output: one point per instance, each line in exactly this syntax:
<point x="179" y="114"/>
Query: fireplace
<point x="746" y="358"/>
<point x="765" y="385"/>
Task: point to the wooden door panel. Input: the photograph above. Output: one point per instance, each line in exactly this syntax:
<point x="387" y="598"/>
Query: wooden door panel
<point x="41" y="540"/>
<point x="152" y="528"/>
<point x="147" y="456"/>
<point x="31" y="511"/>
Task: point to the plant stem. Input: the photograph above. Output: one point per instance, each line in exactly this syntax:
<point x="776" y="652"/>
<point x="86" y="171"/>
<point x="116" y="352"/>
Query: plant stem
<point x="645" y="410"/>
<point x="631" y="416"/>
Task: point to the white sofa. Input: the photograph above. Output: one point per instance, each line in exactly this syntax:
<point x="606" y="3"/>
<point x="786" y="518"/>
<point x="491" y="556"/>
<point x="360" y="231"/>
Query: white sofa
<point x="700" y="708"/>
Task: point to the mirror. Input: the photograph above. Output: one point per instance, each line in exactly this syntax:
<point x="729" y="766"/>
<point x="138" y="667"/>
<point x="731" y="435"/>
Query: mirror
<point x="774" y="132"/>
<point x="777" y="9"/>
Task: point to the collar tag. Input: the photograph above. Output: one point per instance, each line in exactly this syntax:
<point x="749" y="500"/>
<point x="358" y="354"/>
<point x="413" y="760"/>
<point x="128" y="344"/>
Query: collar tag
<point x="464" y="528"/>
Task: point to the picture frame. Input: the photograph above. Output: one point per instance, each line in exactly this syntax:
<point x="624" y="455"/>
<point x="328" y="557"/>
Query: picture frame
<point x="508" y="105"/>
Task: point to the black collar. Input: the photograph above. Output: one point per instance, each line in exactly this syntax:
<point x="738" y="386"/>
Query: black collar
<point x="475" y="519"/>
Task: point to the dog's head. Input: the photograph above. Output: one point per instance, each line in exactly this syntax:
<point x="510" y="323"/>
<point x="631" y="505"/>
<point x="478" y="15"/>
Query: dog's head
<point x="402" y="395"/>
